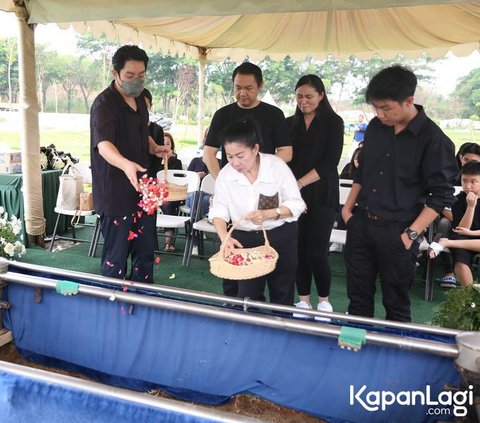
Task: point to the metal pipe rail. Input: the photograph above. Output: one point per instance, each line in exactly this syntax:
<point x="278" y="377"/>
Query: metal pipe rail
<point x="122" y="394"/>
<point x="245" y="303"/>
<point x="312" y="328"/>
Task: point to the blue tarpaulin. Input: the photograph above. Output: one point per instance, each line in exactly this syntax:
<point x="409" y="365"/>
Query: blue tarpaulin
<point x="209" y="360"/>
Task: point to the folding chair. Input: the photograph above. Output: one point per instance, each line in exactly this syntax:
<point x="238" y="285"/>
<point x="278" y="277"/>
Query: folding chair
<point x="201" y="224"/>
<point x="180" y="177"/>
<point x="86" y="173"/>
<point x="340" y="235"/>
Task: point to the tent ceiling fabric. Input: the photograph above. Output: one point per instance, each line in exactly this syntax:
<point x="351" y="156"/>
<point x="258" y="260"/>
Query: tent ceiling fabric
<point x="235" y="29"/>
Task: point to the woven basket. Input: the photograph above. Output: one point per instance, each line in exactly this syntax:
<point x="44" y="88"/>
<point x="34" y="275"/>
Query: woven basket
<point x="223" y="269"/>
<point x="175" y="192"/>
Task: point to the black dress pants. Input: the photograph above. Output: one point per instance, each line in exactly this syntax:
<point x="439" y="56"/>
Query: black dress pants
<point x="375" y="248"/>
<point x="124" y="236"/>
<point x="280" y="282"/>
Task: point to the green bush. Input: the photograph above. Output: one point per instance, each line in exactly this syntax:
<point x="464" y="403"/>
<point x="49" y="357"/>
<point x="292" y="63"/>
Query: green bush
<point x="461" y="309"/>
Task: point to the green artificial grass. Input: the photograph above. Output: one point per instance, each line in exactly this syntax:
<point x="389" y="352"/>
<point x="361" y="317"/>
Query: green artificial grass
<point x="197" y="276"/>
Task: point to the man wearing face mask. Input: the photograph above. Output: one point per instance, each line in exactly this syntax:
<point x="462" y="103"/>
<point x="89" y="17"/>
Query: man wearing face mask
<point x="120" y="148"/>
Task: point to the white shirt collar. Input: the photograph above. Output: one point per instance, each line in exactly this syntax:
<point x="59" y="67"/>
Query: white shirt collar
<point x="264" y="174"/>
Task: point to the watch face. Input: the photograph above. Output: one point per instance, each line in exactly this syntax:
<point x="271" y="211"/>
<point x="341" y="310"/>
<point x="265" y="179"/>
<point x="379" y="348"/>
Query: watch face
<point x="413" y="235"/>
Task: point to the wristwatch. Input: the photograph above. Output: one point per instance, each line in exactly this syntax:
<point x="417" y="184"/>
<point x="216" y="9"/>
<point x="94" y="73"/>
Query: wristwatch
<point x="279" y="213"/>
<point x="413" y="235"/>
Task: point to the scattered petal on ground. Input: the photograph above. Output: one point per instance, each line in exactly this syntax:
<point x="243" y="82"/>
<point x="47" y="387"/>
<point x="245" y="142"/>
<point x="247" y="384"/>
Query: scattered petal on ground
<point x="172" y="276"/>
<point x="157" y="260"/>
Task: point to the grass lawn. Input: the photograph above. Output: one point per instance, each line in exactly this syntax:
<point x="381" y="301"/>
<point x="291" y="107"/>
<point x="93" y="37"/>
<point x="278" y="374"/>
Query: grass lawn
<point x="71" y="133"/>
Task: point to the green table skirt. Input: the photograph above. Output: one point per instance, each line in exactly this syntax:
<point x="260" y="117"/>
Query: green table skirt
<point x="11" y="197"/>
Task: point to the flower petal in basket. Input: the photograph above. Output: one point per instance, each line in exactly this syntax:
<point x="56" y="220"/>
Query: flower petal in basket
<point x="244" y="263"/>
<point x="263" y="260"/>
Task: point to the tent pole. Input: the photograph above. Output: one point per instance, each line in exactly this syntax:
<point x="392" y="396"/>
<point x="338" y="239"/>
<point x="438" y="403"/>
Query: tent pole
<point x="30" y="134"/>
<point x="202" y="60"/>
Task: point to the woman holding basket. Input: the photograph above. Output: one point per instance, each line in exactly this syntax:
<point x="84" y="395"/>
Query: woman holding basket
<point x="255" y="190"/>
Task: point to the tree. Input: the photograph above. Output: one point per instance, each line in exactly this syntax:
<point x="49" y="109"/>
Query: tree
<point x="186" y="88"/>
<point x="9" y="69"/>
<point x="280" y="78"/>
<point x="218" y="78"/>
<point x="87" y="78"/>
<point x="467" y="92"/>
<point x="161" y="78"/>
<point x="49" y="72"/>
<point x="99" y="49"/>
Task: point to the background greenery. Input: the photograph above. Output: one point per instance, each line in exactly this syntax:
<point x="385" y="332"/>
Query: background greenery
<point x="69" y="83"/>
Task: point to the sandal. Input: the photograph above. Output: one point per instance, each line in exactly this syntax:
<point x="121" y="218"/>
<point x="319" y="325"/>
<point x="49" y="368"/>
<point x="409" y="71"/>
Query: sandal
<point x="169" y="247"/>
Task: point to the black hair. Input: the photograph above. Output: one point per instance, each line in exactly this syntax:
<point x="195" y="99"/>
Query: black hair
<point x="244" y="131"/>
<point x="170" y="137"/>
<point x="247" y="68"/>
<point x="148" y="94"/>
<point x="395" y="83"/>
<point x="317" y="84"/>
<point x="471" y="168"/>
<point x="471" y="148"/>
<point x="128" y="52"/>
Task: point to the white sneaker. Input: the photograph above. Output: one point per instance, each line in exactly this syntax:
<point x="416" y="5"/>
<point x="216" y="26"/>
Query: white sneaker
<point x="195" y="250"/>
<point x="324" y="306"/>
<point x="336" y="247"/>
<point x="305" y="306"/>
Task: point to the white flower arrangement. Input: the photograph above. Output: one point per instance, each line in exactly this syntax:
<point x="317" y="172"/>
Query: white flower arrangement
<point x="10" y="244"/>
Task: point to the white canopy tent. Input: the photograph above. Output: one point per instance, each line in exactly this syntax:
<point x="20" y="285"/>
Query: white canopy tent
<point x="217" y="29"/>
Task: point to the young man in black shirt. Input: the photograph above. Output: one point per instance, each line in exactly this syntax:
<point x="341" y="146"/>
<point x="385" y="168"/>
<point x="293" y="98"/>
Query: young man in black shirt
<point x="405" y="179"/>
<point x="120" y="148"/>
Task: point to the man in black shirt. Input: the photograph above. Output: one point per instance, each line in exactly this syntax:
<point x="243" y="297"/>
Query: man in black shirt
<point x="120" y="148"/>
<point x="405" y="179"/>
<point x="247" y="83"/>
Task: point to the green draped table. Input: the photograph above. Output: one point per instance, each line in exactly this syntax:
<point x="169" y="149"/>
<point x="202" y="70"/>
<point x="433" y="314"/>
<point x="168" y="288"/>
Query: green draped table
<point x="11" y="197"/>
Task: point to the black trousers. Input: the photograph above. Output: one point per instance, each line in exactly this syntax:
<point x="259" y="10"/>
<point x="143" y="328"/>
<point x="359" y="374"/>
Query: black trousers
<point x="124" y="236"/>
<point x="375" y="248"/>
<point x="280" y="282"/>
<point x="314" y="230"/>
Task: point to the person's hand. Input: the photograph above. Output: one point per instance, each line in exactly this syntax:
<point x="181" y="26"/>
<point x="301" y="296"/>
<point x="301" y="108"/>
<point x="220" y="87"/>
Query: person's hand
<point x="436" y="248"/>
<point x="257" y="216"/>
<point x="230" y="246"/>
<point x="346" y="214"/>
<point x="463" y="231"/>
<point x="131" y="170"/>
<point x="472" y="199"/>
<point x="161" y="150"/>
<point x="407" y="242"/>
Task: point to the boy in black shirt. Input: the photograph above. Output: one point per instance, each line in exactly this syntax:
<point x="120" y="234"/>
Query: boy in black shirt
<point x="466" y="216"/>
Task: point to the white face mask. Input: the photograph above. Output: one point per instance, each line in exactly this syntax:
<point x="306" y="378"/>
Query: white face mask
<point x="134" y="87"/>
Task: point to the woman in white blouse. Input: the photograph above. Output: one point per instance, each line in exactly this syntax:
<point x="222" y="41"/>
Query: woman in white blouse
<point x="262" y="188"/>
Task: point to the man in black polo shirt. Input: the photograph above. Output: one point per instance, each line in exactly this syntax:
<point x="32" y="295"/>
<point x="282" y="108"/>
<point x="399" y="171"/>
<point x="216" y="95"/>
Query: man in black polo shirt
<point x="247" y="83"/>
<point x="405" y="179"/>
<point x="120" y="148"/>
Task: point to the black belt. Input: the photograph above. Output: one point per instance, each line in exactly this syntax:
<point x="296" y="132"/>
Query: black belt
<point x="371" y="216"/>
<point x="375" y="218"/>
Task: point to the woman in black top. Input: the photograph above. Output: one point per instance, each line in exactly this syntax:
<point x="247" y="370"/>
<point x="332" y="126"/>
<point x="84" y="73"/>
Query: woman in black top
<point x="170" y="207"/>
<point x="317" y="137"/>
